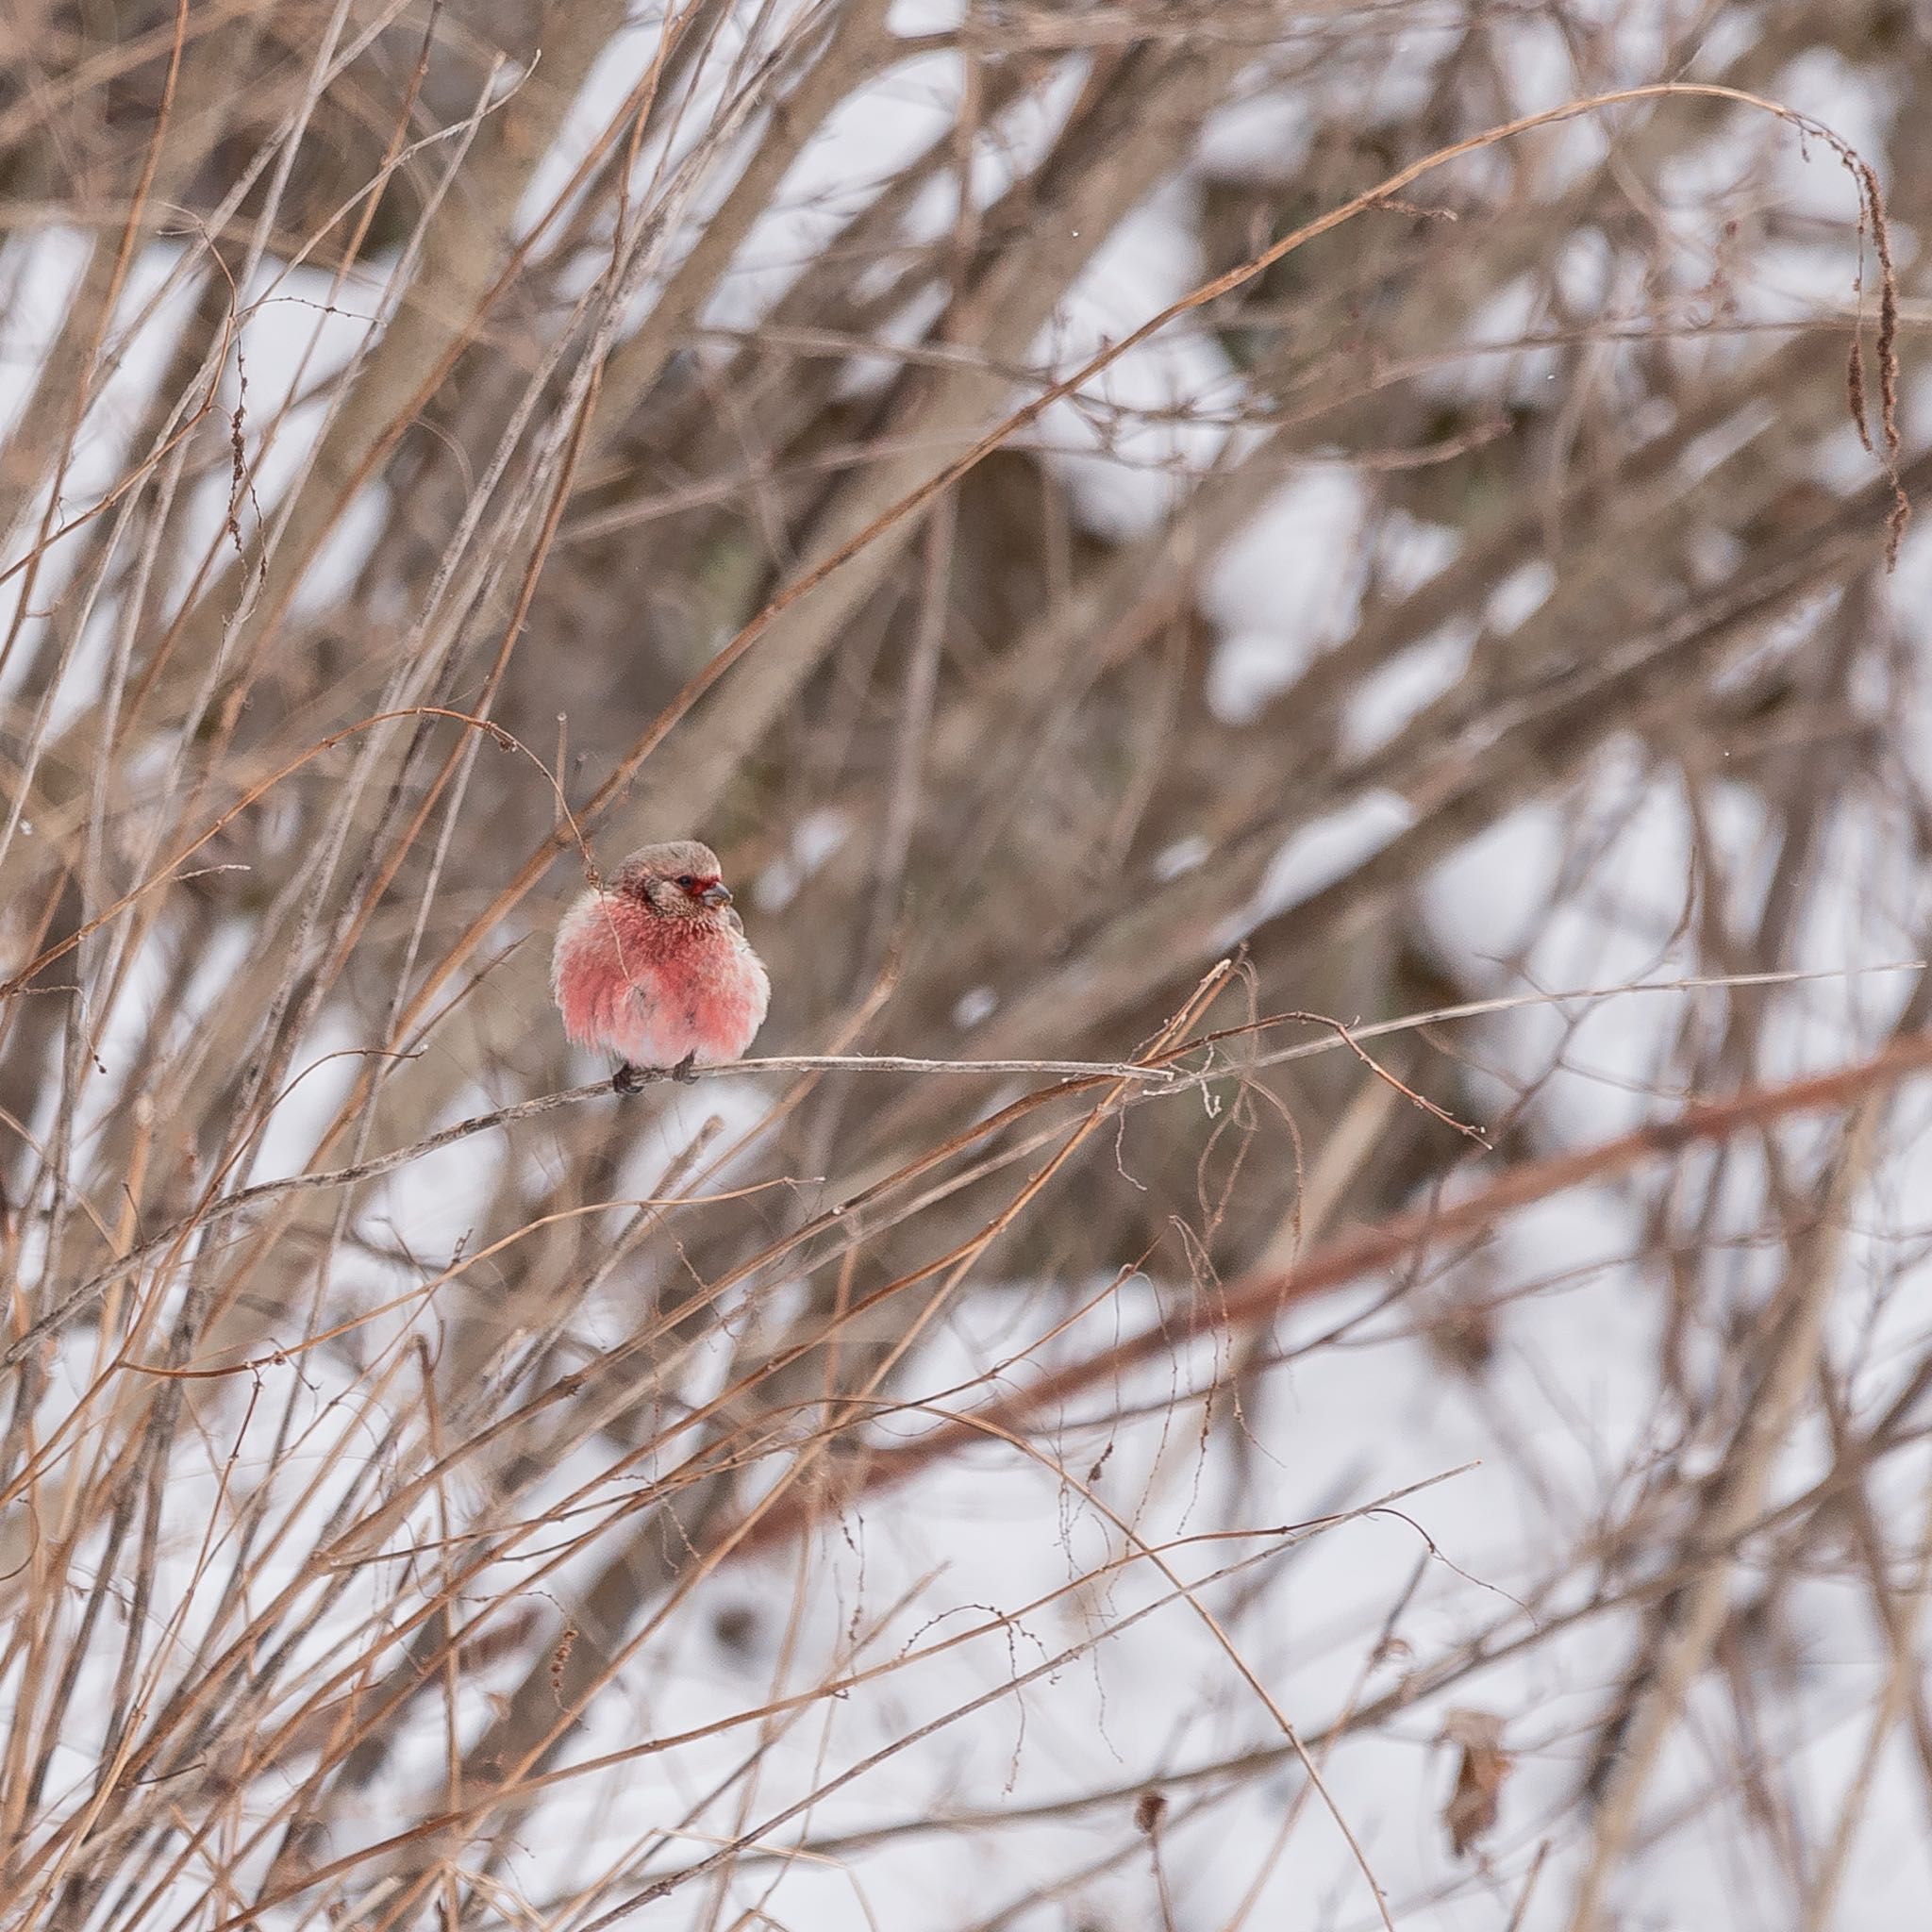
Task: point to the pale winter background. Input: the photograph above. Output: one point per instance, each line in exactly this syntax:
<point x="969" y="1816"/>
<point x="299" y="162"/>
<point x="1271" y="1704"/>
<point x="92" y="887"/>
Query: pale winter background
<point x="1439" y="1440"/>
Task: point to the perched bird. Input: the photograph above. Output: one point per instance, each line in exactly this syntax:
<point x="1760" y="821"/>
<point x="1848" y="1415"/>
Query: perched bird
<point x="656" y="969"/>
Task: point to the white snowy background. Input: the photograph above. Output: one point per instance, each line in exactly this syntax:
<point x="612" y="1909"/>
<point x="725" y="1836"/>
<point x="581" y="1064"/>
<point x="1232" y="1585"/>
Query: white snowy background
<point x="1019" y="1814"/>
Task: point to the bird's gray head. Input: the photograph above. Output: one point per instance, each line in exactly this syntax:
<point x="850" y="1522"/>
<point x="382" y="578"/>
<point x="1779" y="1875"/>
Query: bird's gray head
<point x="680" y="879"/>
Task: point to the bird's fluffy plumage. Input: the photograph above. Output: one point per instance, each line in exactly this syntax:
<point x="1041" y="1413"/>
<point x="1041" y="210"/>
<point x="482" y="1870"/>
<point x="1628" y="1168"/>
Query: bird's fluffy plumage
<point x="656" y="968"/>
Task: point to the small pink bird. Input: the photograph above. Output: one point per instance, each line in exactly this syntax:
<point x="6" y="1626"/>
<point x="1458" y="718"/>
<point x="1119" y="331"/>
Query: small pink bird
<point x="656" y="969"/>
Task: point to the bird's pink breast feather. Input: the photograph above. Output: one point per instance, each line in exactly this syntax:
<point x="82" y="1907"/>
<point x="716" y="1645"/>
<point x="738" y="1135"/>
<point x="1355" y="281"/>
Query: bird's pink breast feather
<point x="655" y="989"/>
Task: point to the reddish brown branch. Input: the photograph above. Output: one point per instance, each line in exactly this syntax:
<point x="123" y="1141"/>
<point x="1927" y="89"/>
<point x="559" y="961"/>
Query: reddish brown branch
<point x="1247" y="1304"/>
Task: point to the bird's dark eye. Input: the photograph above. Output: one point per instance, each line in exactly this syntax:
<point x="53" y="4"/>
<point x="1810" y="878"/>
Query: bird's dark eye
<point x="687" y="881"/>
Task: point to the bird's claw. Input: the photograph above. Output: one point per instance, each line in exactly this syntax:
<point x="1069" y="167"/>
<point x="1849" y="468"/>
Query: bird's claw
<point x="630" y="1079"/>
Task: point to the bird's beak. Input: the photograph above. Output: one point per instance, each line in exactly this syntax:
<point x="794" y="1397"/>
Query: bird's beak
<point x="716" y="893"/>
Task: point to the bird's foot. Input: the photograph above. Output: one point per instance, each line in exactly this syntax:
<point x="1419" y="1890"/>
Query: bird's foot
<point x="633" y="1079"/>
